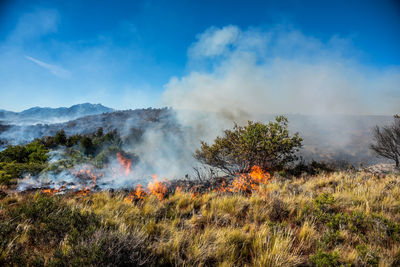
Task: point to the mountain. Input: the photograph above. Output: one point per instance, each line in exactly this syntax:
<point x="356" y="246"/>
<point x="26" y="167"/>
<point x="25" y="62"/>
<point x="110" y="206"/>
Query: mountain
<point x="37" y="115"/>
<point x="6" y="113"/>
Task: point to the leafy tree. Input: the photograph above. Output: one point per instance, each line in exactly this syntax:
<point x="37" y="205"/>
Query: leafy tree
<point x="100" y="132"/>
<point x="73" y="140"/>
<point x="87" y="145"/>
<point x="60" y="138"/>
<point x="48" y="141"/>
<point x="387" y="141"/>
<point x="267" y="145"/>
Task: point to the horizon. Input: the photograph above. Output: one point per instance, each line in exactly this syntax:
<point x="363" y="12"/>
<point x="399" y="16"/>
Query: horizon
<point x="166" y="107"/>
<point x="290" y="57"/>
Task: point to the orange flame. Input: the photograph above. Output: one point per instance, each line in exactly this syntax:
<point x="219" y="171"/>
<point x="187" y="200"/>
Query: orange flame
<point x="246" y="183"/>
<point x="223" y="188"/>
<point x="258" y="175"/>
<point x="87" y="172"/>
<point x="178" y="190"/>
<point x="49" y="191"/>
<point x="125" y="163"/>
<point x="84" y="191"/>
<point x="137" y="194"/>
<point x="157" y="188"/>
<point x="249" y="182"/>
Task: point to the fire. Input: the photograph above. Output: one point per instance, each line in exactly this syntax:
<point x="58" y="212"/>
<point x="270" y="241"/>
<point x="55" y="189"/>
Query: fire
<point x="249" y="182"/>
<point x="87" y="173"/>
<point x="178" y="190"/>
<point x="84" y="191"/>
<point x="223" y="188"/>
<point x="125" y="163"/>
<point x="137" y="194"/>
<point x="50" y="191"/>
<point x="246" y="183"/>
<point x="157" y="188"/>
<point x="258" y="175"/>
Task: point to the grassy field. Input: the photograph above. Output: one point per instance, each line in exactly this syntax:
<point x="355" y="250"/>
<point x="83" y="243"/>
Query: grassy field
<point x="342" y="218"/>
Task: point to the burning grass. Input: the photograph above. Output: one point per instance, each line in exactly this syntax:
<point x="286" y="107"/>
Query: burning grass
<point x="241" y="183"/>
<point x="344" y="218"/>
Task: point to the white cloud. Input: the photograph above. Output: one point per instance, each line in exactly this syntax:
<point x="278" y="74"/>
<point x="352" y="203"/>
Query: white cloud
<point x="56" y="70"/>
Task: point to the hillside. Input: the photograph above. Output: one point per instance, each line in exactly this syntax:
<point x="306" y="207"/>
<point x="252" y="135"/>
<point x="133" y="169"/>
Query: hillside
<point x="50" y="115"/>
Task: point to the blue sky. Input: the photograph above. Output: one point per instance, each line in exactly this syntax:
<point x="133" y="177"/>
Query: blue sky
<point x="133" y="54"/>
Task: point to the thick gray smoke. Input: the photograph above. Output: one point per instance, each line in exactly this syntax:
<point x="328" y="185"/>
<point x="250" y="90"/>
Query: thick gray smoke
<point x="236" y="75"/>
<point x="254" y="72"/>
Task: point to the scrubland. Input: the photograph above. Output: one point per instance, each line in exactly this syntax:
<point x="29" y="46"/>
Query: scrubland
<point x="342" y="218"/>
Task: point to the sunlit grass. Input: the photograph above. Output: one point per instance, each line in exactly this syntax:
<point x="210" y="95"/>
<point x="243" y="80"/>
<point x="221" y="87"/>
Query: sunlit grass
<point x="340" y="218"/>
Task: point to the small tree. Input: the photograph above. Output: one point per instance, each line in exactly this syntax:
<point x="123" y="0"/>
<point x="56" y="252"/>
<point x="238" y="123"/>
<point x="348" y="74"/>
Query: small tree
<point x="100" y="132"/>
<point x="387" y="141"/>
<point x="60" y="138"/>
<point x="267" y="145"/>
<point x="87" y="145"/>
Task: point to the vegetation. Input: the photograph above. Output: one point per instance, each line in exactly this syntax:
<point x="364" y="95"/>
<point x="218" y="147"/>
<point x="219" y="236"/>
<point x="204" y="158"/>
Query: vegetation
<point x="18" y="160"/>
<point x="342" y="218"/>
<point x="387" y="141"/>
<point x="268" y="146"/>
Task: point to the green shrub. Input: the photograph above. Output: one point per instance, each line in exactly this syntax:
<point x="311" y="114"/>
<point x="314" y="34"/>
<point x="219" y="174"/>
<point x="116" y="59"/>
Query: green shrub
<point x="60" y="138"/>
<point x="324" y="207"/>
<point x="18" y="160"/>
<point x="325" y="259"/>
<point x="359" y="223"/>
<point x="367" y="257"/>
<point x="268" y="146"/>
<point x="338" y="221"/>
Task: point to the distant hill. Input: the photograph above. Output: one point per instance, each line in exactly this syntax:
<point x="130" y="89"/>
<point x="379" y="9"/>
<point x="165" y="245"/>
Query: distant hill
<point x="328" y="137"/>
<point x="123" y="121"/>
<point x="51" y="115"/>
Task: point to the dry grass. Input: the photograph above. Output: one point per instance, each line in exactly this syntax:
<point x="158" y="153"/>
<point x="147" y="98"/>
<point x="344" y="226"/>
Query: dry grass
<point x="326" y="220"/>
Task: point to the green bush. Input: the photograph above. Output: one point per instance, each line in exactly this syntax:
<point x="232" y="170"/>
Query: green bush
<point x="367" y="257"/>
<point x="60" y="138"/>
<point x="34" y="152"/>
<point x="267" y="145"/>
<point x="325" y="259"/>
<point x="16" y="161"/>
<point x="324" y="207"/>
